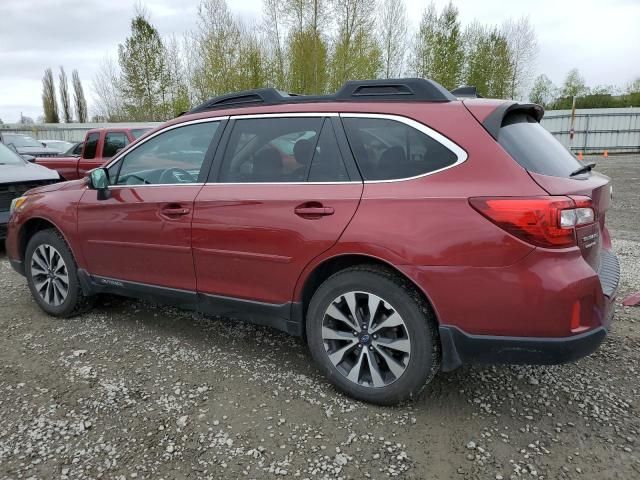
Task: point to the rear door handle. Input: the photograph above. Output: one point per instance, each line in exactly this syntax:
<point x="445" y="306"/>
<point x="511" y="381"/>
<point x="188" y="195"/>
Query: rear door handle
<point x="175" y="211"/>
<point x="320" y="211"/>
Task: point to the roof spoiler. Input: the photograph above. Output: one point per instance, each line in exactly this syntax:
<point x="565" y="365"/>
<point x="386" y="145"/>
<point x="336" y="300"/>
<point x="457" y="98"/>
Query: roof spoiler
<point x="493" y="122"/>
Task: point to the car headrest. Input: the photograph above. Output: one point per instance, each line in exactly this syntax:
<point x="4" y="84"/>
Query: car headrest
<point x="303" y="151"/>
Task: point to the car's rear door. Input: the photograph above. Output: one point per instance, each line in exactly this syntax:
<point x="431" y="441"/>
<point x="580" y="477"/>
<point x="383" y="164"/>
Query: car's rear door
<point x="261" y="219"/>
<point x="142" y="232"/>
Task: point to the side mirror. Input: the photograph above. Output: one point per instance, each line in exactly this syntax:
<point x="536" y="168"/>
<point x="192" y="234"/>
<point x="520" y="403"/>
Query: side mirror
<point x="29" y="158"/>
<point x="99" y="181"/>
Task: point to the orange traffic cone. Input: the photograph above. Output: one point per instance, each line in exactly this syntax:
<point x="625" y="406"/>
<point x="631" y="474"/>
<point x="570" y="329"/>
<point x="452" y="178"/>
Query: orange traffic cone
<point x="580" y="157"/>
<point x="606" y="154"/>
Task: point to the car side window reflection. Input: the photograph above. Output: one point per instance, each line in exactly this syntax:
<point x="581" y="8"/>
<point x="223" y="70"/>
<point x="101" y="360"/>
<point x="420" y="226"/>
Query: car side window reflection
<point x="172" y="157"/>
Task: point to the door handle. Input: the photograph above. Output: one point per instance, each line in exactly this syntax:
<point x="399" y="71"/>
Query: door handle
<point x="175" y="211"/>
<point x="313" y="211"/>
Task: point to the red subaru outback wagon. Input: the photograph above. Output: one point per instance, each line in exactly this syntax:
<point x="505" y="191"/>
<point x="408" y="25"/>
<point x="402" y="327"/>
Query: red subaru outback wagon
<point x="399" y="229"/>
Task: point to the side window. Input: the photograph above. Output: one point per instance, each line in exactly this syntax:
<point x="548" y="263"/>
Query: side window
<point x="389" y="150"/>
<point x="270" y="150"/>
<point x="172" y="157"/>
<point x="327" y="164"/>
<point x="113" y="142"/>
<point x="138" y="132"/>
<point x="90" y="146"/>
<point x="77" y="150"/>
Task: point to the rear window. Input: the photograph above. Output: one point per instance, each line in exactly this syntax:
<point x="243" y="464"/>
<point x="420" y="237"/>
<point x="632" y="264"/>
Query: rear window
<point x="534" y="148"/>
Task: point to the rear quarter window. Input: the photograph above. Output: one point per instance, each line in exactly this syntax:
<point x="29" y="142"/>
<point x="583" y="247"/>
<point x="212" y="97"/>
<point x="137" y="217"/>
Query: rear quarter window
<point x="534" y="148"/>
<point x="387" y="149"/>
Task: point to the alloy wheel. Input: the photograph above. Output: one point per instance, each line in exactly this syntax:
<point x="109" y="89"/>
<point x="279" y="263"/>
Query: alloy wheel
<point x="366" y="339"/>
<point x="50" y="275"/>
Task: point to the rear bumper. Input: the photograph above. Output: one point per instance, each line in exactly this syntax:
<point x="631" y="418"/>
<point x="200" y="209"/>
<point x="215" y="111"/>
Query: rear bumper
<point x="460" y="348"/>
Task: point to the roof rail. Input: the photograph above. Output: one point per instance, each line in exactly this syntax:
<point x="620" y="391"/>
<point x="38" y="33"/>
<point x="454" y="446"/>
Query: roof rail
<point x="403" y="90"/>
<point x="466" y="92"/>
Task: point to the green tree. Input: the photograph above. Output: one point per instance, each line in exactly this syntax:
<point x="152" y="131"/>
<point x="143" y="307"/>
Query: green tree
<point x="79" y="99"/>
<point x="65" y="101"/>
<point x="439" y="47"/>
<point x="633" y="87"/>
<point x="357" y="54"/>
<point x="106" y="85"/>
<point x="273" y="28"/>
<point x="144" y="75"/>
<point x="523" y="52"/>
<point x="487" y="65"/>
<point x="543" y="91"/>
<point x="392" y="27"/>
<point x="252" y="65"/>
<point x="178" y="100"/>
<point x="307" y="65"/>
<point x="306" y="45"/>
<point x="217" y="44"/>
<point x="422" y="60"/>
<point x="49" y="103"/>
<point x="574" y="84"/>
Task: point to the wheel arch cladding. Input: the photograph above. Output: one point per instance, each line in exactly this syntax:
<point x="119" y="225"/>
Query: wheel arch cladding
<point x="332" y="265"/>
<point x="30" y="228"/>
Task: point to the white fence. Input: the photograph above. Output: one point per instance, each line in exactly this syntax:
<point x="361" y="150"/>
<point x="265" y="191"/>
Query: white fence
<point x="71" y="132"/>
<point x="597" y="129"/>
<point x="614" y="129"/>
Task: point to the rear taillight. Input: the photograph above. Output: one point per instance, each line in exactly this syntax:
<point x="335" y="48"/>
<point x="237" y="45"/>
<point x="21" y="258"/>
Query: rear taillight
<point x="542" y="221"/>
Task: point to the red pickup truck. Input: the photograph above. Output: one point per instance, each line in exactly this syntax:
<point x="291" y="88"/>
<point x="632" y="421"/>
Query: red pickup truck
<point x="100" y="145"/>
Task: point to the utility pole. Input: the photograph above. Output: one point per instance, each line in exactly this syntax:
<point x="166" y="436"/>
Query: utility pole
<point x="573" y="120"/>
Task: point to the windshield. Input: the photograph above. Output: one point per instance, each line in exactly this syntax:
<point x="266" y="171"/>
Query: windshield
<point x="21" y="140"/>
<point x="9" y="157"/>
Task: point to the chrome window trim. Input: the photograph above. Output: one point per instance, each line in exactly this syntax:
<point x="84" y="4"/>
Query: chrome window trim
<point x="166" y="129"/>
<point x="458" y="151"/>
<point x="350" y="182"/>
<point x="157" y="185"/>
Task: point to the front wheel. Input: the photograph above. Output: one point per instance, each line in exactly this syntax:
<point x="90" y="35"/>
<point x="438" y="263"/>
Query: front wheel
<point x="51" y="273"/>
<point x="373" y="335"/>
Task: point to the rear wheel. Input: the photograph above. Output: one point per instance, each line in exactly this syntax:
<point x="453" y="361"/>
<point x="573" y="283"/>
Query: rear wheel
<point x="373" y="335"/>
<point x="51" y="273"/>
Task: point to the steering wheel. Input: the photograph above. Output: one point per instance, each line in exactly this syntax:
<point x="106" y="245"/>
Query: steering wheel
<point x="169" y="176"/>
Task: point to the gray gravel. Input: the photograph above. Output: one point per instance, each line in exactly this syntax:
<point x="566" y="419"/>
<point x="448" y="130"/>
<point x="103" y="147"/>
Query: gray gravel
<point x="133" y="390"/>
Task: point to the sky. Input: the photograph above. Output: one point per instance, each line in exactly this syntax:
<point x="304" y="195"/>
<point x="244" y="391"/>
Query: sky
<point x="600" y="38"/>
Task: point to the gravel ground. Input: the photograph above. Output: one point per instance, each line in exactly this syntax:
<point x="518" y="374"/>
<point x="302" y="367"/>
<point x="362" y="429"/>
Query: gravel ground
<point x="133" y="390"/>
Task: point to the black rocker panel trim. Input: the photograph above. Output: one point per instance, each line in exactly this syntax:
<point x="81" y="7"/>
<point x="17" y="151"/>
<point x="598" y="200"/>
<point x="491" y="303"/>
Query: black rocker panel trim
<point x="285" y="317"/>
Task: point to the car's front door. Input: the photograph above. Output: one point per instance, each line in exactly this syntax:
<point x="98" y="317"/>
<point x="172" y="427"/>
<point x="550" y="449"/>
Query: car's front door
<point x="282" y="196"/>
<point x="142" y="232"/>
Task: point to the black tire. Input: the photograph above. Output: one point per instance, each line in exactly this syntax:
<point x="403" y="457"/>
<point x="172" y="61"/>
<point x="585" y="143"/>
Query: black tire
<point x="424" y="359"/>
<point x="75" y="302"/>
